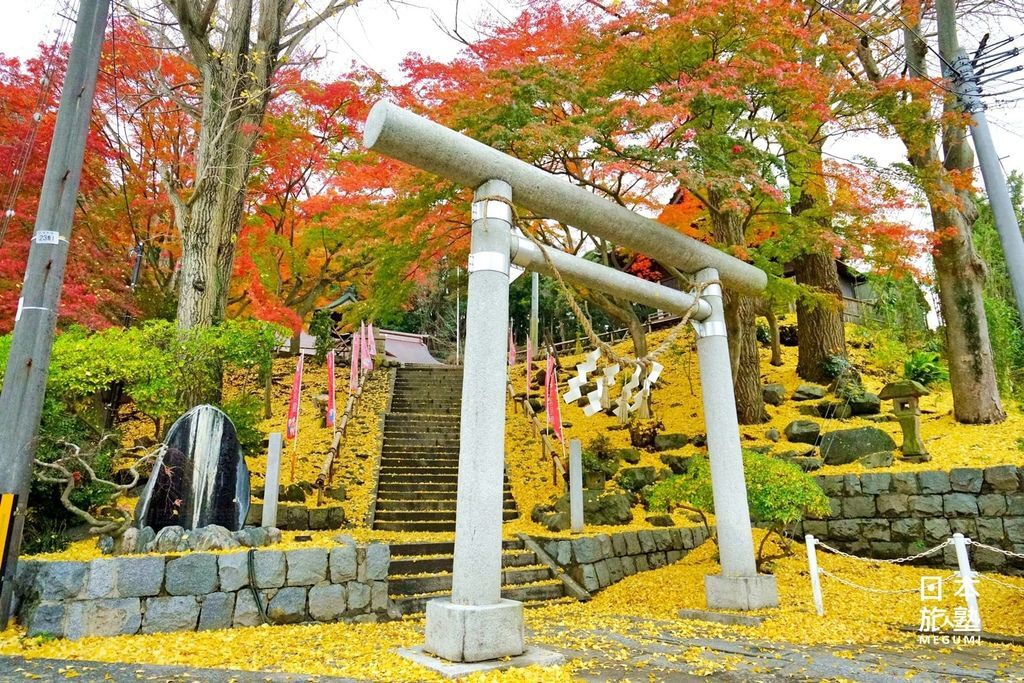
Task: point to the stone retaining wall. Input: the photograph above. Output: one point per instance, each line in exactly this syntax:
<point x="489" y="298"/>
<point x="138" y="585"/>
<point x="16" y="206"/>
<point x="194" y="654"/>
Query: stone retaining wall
<point x="298" y="517"/>
<point x="154" y="593"/>
<point x="899" y="514"/>
<point x="596" y="562"/>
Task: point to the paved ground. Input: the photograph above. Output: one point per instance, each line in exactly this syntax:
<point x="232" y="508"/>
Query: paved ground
<point x="19" y="669"/>
<point x="659" y="659"/>
<point x="612" y="656"/>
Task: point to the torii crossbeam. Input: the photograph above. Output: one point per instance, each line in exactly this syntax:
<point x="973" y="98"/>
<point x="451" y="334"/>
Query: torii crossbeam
<point x="476" y="624"/>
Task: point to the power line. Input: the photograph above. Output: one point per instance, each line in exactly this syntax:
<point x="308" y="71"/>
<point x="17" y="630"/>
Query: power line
<point x="896" y="15"/>
<point x="878" y="40"/>
<point x="42" y="98"/>
<point x="121" y="152"/>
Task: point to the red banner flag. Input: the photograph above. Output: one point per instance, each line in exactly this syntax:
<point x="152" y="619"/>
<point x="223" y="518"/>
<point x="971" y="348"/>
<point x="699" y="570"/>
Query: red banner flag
<point x="353" y="375"/>
<point x="511" y="347"/>
<point x="364" y="353"/>
<point x="373" y="339"/>
<point x="551" y="407"/>
<point x="293" y="403"/>
<point x="330" y="389"/>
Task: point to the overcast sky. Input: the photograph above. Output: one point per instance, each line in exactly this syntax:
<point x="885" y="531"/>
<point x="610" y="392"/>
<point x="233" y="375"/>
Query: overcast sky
<point x="379" y="35"/>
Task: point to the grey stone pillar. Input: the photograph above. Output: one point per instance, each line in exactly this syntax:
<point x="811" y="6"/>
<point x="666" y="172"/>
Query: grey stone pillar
<point x="476" y="623"/>
<point x="739" y="586"/>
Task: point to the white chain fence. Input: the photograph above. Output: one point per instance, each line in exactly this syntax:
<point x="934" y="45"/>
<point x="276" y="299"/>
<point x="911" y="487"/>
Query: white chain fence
<point x="965" y="576"/>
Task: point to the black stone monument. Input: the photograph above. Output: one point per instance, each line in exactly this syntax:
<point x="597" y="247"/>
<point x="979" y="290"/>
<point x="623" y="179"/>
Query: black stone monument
<point x="200" y="478"/>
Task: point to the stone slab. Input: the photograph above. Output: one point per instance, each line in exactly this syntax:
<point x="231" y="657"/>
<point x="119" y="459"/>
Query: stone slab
<point x="532" y="656"/>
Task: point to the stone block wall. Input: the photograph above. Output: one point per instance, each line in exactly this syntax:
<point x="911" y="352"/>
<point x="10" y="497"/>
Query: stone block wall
<point x="596" y="562"/>
<point x="298" y="517"/>
<point x="888" y="515"/>
<point x="198" y="591"/>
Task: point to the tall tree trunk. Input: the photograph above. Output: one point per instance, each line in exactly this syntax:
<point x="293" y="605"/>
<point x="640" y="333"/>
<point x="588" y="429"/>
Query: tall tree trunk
<point x="959" y="274"/>
<point x="819" y="318"/>
<point x="959" y="271"/>
<point x="740" y="324"/>
<point x="819" y="310"/>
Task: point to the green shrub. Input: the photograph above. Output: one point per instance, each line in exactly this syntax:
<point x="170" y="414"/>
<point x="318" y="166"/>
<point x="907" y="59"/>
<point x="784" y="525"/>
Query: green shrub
<point x="836" y="366"/>
<point x="763" y="333"/>
<point x="322" y="327"/>
<point x="779" y="493"/>
<point x="157" y="363"/>
<point x="606" y="466"/>
<point x="246" y="413"/>
<point x="601" y="447"/>
<point x="885" y="352"/>
<point x="925" y="367"/>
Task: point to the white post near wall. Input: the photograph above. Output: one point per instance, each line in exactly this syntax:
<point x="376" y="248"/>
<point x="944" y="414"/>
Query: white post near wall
<point x="476" y="623"/>
<point x="576" y="486"/>
<point x="967" y="577"/>
<point x="739" y="586"/>
<point x="812" y="569"/>
<point x="272" y="481"/>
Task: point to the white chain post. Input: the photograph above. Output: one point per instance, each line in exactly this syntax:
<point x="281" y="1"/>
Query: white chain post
<point x="970" y="594"/>
<point x="812" y="567"/>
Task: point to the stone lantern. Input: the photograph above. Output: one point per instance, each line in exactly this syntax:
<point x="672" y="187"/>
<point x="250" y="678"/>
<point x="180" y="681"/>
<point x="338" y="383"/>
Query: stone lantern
<point x="904" y="395"/>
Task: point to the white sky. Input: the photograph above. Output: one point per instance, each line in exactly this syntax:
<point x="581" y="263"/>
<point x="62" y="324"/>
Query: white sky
<point x="379" y="35"/>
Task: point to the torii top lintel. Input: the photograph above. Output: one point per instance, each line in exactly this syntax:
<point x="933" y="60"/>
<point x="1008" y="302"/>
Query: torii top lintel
<point x="405" y="136"/>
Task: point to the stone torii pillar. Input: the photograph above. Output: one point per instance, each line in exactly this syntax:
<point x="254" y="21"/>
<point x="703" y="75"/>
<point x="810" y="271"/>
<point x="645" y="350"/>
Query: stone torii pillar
<point x="476" y="623"/>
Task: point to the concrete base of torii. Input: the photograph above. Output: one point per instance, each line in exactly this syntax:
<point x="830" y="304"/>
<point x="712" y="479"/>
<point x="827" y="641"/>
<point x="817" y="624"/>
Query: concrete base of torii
<point x="473" y="633"/>
<point x="741" y="592"/>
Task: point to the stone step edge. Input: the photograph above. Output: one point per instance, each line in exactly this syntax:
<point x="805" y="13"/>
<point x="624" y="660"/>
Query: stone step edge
<point x="517" y="586"/>
<point x="438" y="575"/>
<point x="450" y="556"/>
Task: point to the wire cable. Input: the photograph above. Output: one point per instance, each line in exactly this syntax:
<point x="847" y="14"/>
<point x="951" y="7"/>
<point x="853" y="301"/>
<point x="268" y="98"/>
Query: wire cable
<point x="42" y="99"/>
<point x="878" y="40"/>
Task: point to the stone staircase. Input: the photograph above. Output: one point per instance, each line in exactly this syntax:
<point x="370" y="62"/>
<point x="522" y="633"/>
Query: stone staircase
<point x="418" y="477"/>
<point x="422" y="571"/>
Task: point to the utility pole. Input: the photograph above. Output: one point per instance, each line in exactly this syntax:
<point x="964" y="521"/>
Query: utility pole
<point x="21" y="401"/>
<point x="534" y="307"/>
<point x="959" y="69"/>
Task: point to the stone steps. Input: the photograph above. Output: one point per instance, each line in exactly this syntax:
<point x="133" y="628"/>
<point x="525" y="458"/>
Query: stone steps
<point x="420" y="585"/>
<point x="425" y="442"/>
<point x="418" y="459"/>
<point x="422" y="548"/>
<point x="421" y="572"/>
<point x="424" y="468"/>
<point x="413" y="478"/>
<point x="532" y="595"/>
<point x="443" y="563"/>
<point x="414" y="449"/>
<point x="425" y="409"/>
<point x="428" y="505"/>
<point x="404" y="428"/>
<point x="390" y="515"/>
<point x="417" y="482"/>
<point x="429" y="527"/>
<point x="408" y="487"/>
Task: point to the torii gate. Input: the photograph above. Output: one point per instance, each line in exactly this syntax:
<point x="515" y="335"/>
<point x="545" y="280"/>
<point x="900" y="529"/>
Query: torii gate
<point x="476" y="623"/>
